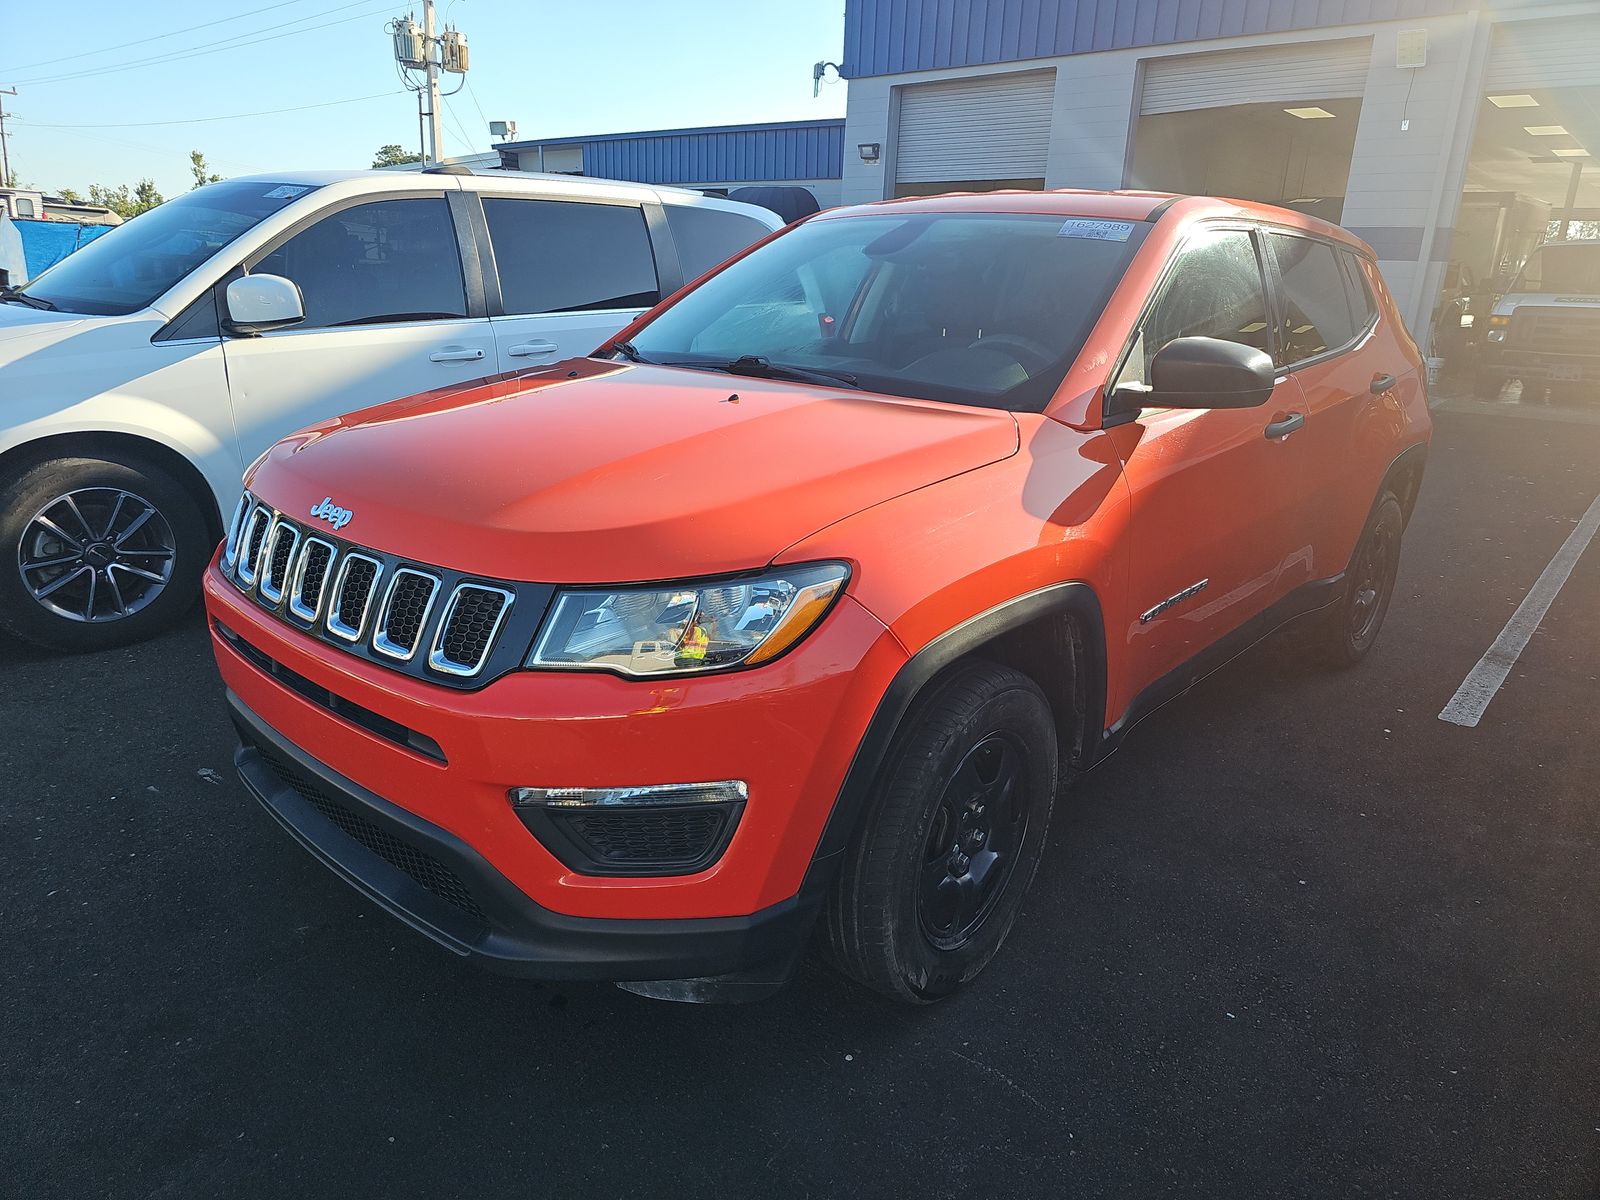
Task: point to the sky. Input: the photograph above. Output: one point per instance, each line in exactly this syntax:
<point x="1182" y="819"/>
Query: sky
<point x="123" y="98"/>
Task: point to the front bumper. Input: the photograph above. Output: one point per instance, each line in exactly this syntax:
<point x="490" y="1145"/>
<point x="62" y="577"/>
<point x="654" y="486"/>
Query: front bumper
<point x="440" y="886"/>
<point x="1505" y="361"/>
<point x="447" y="758"/>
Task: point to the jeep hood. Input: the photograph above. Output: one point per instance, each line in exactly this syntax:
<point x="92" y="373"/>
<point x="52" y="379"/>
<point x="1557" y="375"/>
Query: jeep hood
<point x="593" y="472"/>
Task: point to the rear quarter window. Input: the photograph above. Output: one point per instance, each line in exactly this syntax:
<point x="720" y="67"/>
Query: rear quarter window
<point x="707" y="237"/>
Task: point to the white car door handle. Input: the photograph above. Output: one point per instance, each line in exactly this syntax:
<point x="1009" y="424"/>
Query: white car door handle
<point x="456" y="354"/>
<point x="529" y="349"/>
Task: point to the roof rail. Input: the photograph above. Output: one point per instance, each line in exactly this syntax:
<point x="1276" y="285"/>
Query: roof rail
<point x="448" y="169"/>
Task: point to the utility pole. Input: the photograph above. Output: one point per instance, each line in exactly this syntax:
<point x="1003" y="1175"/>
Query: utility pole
<point x="435" y="128"/>
<point x="6" y="178"/>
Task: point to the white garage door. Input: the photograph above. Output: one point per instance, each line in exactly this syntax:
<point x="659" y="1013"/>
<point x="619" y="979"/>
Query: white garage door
<point x="1332" y="70"/>
<point x="991" y="127"/>
<point x="1545" y="54"/>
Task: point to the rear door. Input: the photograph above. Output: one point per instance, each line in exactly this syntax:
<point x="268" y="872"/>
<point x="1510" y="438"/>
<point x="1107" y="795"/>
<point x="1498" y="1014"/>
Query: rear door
<point x="1326" y="320"/>
<point x="569" y="274"/>
<point x="388" y="314"/>
<point x="1212" y="541"/>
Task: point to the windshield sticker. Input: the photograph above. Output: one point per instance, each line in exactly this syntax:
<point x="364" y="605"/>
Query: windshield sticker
<point x="1098" y="231"/>
<point x="286" y="192"/>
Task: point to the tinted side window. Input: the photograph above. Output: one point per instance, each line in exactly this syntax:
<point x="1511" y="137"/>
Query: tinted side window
<point x="706" y="237"/>
<point x="1215" y="290"/>
<point x="560" y="256"/>
<point x="1362" y="303"/>
<point x="1316" y="303"/>
<point x="390" y="260"/>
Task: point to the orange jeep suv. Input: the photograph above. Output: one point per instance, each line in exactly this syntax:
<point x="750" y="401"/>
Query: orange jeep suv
<point x="799" y="602"/>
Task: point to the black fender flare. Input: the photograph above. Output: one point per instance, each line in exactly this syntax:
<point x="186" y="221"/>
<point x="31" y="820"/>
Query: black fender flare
<point x="1076" y="599"/>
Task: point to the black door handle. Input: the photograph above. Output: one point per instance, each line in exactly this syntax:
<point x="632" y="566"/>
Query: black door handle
<point x="1286" y="425"/>
<point x="1380" y="384"/>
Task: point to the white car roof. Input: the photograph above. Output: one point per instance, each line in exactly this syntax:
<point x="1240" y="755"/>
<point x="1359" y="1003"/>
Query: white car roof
<point x="354" y="182"/>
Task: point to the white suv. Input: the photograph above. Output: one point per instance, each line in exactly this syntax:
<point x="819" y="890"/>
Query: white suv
<point x="140" y="375"/>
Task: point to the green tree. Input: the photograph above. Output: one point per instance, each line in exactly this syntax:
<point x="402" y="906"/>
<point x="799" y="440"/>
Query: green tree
<point x="70" y="196"/>
<point x="394" y="155"/>
<point x="197" y="164"/>
<point x="125" y="201"/>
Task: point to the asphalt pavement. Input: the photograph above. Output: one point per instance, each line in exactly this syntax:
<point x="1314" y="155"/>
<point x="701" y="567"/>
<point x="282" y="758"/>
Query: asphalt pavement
<point x="1298" y="937"/>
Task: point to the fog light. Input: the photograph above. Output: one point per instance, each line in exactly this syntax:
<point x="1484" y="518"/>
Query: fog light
<point x="657" y="829"/>
<point x="725" y="792"/>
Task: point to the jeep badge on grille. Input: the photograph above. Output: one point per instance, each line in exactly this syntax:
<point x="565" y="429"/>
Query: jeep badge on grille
<point x="332" y="513"/>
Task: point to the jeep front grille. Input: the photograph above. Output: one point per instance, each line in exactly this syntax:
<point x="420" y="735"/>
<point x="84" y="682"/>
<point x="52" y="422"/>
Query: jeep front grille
<point x="427" y="621"/>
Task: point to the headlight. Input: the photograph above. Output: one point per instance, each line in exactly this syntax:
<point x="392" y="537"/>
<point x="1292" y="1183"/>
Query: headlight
<point x="696" y="626"/>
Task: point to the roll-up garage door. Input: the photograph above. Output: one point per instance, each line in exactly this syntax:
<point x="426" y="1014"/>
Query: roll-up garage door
<point x="1332" y="70"/>
<point x="990" y="127"/>
<point x="1545" y="54"/>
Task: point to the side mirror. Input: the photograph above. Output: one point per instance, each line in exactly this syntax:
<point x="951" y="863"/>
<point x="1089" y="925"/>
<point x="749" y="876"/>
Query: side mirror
<point x="1202" y="372"/>
<point x="257" y="303"/>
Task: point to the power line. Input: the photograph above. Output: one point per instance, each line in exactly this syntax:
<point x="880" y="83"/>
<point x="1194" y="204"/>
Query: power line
<point x="206" y="48"/>
<point x="474" y="97"/>
<point x="156" y="37"/>
<point x="125" y="143"/>
<point x="266" y="112"/>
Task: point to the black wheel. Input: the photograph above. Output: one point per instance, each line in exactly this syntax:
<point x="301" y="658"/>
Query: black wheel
<point x="933" y="881"/>
<point x="1486" y="386"/>
<point x="96" y="553"/>
<point x="1341" y="634"/>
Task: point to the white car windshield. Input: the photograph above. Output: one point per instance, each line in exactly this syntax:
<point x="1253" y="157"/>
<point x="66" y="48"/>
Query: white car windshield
<point x="976" y="308"/>
<point x="127" y="269"/>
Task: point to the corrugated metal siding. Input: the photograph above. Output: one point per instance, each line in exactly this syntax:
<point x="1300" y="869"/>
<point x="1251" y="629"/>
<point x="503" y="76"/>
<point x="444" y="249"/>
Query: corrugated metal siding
<point x="886" y="37"/>
<point x="990" y="127"/>
<point x="1263" y="75"/>
<point x="1545" y="54"/>
<point x="803" y="150"/>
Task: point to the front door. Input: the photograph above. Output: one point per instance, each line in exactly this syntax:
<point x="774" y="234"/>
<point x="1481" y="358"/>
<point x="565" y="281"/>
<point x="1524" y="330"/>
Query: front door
<point x="571" y="273"/>
<point x="1212" y="539"/>
<point x="386" y="317"/>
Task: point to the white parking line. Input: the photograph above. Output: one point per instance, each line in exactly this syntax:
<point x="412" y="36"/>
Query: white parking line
<point x="1467" y="706"/>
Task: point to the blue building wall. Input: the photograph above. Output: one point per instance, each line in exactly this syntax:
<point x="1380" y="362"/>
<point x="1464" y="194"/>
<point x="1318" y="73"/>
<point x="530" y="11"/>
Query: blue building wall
<point x="741" y="153"/>
<point x="885" y="37"/>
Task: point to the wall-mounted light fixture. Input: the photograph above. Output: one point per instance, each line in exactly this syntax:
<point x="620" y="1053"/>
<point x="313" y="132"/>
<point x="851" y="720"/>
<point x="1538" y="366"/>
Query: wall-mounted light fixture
<point x="870" y="151"/>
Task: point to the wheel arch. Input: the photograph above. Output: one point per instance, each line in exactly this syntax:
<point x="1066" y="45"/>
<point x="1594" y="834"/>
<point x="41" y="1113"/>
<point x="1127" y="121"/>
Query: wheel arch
<point x="109" y="444"/>
<point x="1055" y="636"/>
<point x="1404" y="479"/>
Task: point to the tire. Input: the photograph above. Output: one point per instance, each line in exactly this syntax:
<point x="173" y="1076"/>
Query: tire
<point x="1487" y="387"/>
<point x="1342" y="634"/>
<point x="65" y="584"/>
<point x="933" y="880"/>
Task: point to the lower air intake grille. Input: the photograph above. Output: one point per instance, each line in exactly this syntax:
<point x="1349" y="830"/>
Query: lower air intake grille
<point x="428" y="872"/>
<point x="625" y="837"/>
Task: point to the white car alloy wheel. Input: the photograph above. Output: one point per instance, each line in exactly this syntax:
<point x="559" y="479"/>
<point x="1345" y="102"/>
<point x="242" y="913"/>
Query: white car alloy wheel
<point x="96" y="554"/>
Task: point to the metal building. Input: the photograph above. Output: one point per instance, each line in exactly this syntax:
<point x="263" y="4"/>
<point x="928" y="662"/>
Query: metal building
<point x="1453" y="135"/>
<point x="806" y="154"/>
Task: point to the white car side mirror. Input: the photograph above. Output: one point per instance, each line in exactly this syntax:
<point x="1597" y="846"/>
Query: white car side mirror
<point x="257" y="303"/>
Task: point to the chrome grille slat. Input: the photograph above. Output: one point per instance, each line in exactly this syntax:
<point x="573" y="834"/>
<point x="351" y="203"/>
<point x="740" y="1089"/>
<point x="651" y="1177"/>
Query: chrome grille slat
<point x="255" y="541"/>
<point x="230" y="548"/>
<point x="276" y="561"/>
<point x="311" y="578"/>
<point x="468" y="629"/>
<point x="350" y="600"/>
<point x="399" y="633"/>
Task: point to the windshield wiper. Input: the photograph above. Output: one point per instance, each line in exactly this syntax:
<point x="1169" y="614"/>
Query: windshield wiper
<point x="630" y="352"/>
<point x="759" y="366"/>
<point x="17" y="296"/>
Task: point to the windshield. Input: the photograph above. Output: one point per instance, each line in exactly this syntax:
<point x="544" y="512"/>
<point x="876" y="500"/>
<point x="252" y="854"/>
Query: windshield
<point x="975" y="308"/>
<point x="127" y="269"/>
<point x="1569" y="270"/>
